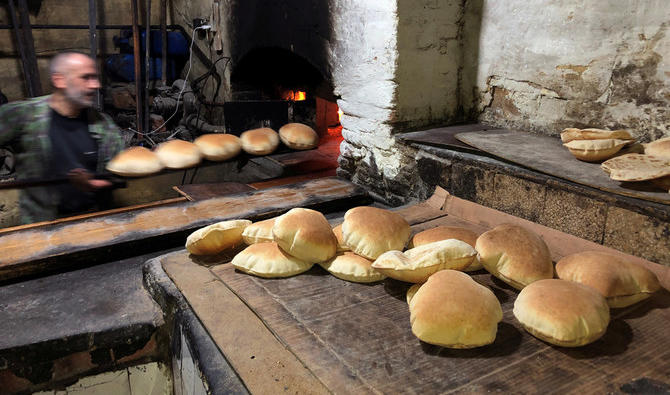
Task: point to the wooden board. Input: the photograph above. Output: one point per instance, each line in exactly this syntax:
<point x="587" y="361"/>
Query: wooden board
<point x="547" y="155"/>
<point x="356" y="338"/>
<point x="194" y="192"/>
<point x="446" y="136"/>
<point x="26" y="251"/>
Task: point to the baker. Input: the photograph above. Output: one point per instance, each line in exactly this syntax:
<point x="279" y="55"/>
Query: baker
<point x="61" y="135"/>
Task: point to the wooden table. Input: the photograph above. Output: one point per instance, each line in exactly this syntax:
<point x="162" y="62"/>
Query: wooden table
<point x="314" y="333"/>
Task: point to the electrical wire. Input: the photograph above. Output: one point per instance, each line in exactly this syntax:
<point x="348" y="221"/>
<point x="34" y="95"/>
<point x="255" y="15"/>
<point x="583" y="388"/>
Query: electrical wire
<point x="190" y="64"/>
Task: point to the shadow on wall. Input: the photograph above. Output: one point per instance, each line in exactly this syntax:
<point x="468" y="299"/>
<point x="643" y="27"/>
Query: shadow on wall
<point x="438" y="54"/>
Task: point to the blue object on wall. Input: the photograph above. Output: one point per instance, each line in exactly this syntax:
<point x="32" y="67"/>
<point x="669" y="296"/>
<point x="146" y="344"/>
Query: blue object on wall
<point x="177" y="44"/>
<point x="121" y="67"/>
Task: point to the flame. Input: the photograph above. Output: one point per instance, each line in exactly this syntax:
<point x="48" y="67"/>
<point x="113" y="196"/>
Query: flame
<point x="339" y="114"/>
<point x="295" y="95"/>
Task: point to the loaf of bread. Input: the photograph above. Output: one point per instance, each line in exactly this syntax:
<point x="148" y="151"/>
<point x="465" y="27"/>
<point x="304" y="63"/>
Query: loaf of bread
<point x="305" y="234"/>
<point x="261" y="141"/>
<point x="217" y="237"/>
<point x="515" y="255"/>
<point x="135" y="162"/>
<point x="218" y="146"/>
<point x="448" y="232"/>
<point x="452" y="310"/>
<point x="351" y="267"/>
<point x="298" y="136"/>
<point x="371" y="231"/>
<point x="563" y="313"/>
<point x="620" y="281"/>
<point x="269" y="261"/>
<point x="178" y="154"/>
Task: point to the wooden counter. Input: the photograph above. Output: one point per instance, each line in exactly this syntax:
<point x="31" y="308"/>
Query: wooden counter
<point x="314" y="333"/>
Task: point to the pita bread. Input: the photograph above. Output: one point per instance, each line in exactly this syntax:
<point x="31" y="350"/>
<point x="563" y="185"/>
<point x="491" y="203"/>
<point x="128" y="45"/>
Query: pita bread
<point x="259" y="232"/>
<point x="135" y="162"/>
<point x="659" y="148"/>
<point x="298" y="136"/>
<point x="218" y="146"/>
<point x="217" y="237"/>
<point x="178" y="154"/>
<point x="636" y="167"/>
<point x="453" y="310"/>
<point x="561" y="312"/>
<point x="261" y="141"/>
<point x="571" y="134"/>
<point x="448" y="232"/>
<point x="595" y="150"/>
<point x="269" y="261"/>
<point x="351" y="267"/>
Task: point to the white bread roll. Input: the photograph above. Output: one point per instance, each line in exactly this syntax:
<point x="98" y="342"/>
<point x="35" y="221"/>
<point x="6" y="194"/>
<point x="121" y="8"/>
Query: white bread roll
<point x="416" y="265"/>
<point x="515" y="255"/>
<point x="261" y="141"/>
<point x="563" y="313"/>
<point x="371" y="231"/>
<point x="298" y="136"/>
<point x="269" y="261"/>
<point x="341" y="247"/>
<point x="135" y="162"/>
<point x="448" y="232"/>
<point x="621" y="282"/>
<point x="259" y="232"/>
<point x="452" y="310"/>
<point x="217" y="237"/>
<point x="218" y="146"/>
<point x="178" y="154"/>
<point x="305" y="234"/>
<point x="351" y="267"/>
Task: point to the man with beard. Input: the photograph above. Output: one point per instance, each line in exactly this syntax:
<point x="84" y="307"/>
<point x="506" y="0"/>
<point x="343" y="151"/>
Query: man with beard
<point x="61" y="135"/>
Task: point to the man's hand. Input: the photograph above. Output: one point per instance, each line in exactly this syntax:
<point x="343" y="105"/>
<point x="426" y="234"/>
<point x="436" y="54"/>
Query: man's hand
<point x="84" y="181"/>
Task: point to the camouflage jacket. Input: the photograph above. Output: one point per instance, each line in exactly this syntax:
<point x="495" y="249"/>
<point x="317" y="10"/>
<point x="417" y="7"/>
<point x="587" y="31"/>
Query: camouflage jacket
<point x="24" y="129"/>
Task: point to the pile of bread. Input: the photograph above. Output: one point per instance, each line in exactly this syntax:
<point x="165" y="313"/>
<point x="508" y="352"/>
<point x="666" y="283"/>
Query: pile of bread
<point x="652" y="166"/>
<point x="180" y="154"/>
<point x="594" y="145"/>
<point x="447" y="306"/>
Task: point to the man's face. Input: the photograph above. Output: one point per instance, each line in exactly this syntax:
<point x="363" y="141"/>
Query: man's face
<point x="80" y="81"/>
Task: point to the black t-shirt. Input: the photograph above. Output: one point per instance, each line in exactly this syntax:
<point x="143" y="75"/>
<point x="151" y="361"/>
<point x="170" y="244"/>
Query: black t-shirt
<point x="72" y="146"/>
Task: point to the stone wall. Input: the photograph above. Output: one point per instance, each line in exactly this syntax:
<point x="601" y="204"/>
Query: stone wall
<point x="550" y="65"/>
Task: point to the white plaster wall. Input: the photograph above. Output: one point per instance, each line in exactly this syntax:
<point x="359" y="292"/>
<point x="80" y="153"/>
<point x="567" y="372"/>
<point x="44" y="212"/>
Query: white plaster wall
<point x="429" y="62"/>
<point x="543" y="66"/>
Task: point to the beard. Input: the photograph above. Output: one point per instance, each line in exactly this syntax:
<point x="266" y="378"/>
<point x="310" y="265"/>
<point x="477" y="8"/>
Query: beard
<point x="80" y="98"/>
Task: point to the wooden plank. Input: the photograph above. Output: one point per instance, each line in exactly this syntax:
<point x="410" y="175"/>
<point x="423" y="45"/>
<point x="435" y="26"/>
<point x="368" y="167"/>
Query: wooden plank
<point x="265" y="364"/>
<point x="195" y="192"/>
<point x="25" y="249"/>
<point x="547" y="155"/>
<point x="445" y="137"/>
<point x="293" y="179"/>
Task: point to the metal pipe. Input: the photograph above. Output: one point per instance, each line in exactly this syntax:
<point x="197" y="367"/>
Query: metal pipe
<point x="138" y="72"/>
<point x="86" y="27"/>
<point x="164" y="42"/>
<point x="147" y="65"/>
<point x="93" y="41"/>
<point x="30" y="48"/>
<point x="33" y="90"/>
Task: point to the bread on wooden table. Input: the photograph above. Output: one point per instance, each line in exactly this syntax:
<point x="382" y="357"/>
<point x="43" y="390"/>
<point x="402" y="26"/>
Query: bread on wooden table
<point x="453" y="310"/>
<point x="515" y="255"/>
<point x="659" y="148"/>
<point x="561" y="312"/>
<point x="269" y="261"/>
<point x="416" y="265"/>
<point x="217" y="237"/>
<point x="636" y="167"/>
<point x="448" y="232"/>
<point x="260" y="141"/>
<point x="571" y="134"/>
<point x="595" y="150"/>
<point x="135" y="162"/>
<point x="218" y="146"/>
<point x="305" y="234"/>
<point x="178" y="154"/>
<point x="259" y="232"/>
<point x="351" y="267"/>
<point x="298" y="136"/>
<point x="620" y="281"/>
<point x="341" y="247"/>
<point x="371" y="231"/>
